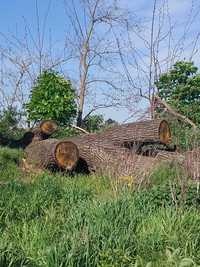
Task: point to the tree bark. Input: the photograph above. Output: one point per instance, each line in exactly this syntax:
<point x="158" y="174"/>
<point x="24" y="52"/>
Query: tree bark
<point x="118" y="162"/>
<point x="130" y="135"/>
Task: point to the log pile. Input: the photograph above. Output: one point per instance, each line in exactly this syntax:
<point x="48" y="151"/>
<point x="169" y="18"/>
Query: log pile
<point x="132" y="149"/>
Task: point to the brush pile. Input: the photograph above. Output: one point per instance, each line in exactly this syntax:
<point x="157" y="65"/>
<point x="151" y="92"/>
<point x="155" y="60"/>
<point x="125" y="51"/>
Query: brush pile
<point x="132" y="149"/>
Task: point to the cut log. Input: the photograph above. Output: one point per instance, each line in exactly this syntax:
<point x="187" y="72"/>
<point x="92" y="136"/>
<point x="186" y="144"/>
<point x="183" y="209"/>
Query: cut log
<point x="131" y="134"/>
<point x="44" y="130"/>
<point x="117" y="162"/>
<point x="52" y="154"/>
<point x="108" y="159"/>
<point x="114" y="161"/>
<point x="40" y="132"/>
<point x="48" y="127"/>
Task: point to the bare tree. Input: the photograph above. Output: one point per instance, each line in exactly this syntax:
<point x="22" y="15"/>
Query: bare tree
<point x="92" y="40"/>
<point x="23" y="57"/>
<point x="155" y="46"/>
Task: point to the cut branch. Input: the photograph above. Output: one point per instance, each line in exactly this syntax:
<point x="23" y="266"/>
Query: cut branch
<point x="159" y="101"/>
<point x="80" y="129"/>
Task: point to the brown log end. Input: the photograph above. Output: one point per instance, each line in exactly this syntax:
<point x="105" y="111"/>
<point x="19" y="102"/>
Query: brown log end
<point x="164" y="132"/>
<point x="66" y="155"/>
<point x="48" y="127"/>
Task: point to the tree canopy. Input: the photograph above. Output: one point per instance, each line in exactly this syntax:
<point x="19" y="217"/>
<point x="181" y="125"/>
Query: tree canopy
<point x="180" y="87"/>
<point x="52" y="97"/>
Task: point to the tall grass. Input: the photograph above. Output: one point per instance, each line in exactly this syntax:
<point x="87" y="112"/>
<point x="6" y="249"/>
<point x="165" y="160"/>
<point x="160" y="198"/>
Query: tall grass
<point x="57" y="220"/>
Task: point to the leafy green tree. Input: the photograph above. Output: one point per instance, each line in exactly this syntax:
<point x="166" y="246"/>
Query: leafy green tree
<point x="180" y="88"/>
<point x="52" y="97"/>
<point x="110" y="123"/>
<point x="93" y="123"/>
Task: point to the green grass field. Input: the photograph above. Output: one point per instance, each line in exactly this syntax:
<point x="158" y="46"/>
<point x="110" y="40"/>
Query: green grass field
<point x="56" y="220"/>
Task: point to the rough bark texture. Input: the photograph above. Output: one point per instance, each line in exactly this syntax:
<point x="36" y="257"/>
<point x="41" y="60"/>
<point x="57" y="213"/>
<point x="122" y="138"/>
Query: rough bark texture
<point x="131" y="134"/>
<point x="116" y="161"/>
<point x="110" y="160"/>
<point x="52" y="154"/>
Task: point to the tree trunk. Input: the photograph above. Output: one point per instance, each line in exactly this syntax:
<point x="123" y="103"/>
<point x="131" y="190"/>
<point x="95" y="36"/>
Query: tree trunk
<point x="131" y="134"/>
<point x="119" y="162"/>
<point x="52" y="154"/>
<point x="79" y="118"/>
<point x="105" y="158"/>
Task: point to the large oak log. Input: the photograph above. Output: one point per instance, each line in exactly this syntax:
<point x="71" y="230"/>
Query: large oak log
<point x="118" y="162"/>
<point x="109" y="159"/>
<point x="41" y="132"/>
<point x="132" y="135"/>
<point x="154" y="130"/>
<point x="52" y="154"/>
<point x="114" y="161"/>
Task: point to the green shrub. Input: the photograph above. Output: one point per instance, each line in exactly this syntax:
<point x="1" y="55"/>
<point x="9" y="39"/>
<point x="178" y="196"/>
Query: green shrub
<point x="52" y="97"/>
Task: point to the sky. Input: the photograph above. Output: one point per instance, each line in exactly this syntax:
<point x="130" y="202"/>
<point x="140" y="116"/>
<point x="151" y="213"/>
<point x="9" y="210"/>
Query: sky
<point x="15" y="12"/>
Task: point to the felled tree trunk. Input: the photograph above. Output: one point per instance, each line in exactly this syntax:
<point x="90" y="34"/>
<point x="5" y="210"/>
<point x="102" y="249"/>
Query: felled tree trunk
<point x="121" y="162"/>
<point x="106" y="158"/>
<point x="154" y="130"/>
<point x="40" y="132"/>
<point x="52" y="154"/>
<point x="118" y="162"/>
<point x="131" y="135"/>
